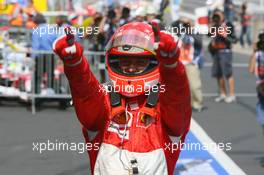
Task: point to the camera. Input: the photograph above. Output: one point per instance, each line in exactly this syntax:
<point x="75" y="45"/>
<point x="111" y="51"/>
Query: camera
<point x="260" y="43"/>
<point x="111" y="14"/>
<point x="217" y="17"/>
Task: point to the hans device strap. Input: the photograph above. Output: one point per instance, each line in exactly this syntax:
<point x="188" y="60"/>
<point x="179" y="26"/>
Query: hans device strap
<point x="152" y="100"/>
<point x="115" y="98"/>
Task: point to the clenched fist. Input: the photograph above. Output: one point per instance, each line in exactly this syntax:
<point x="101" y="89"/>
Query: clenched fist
<point x="67" y="49"/>
<point x="166" y="46"/>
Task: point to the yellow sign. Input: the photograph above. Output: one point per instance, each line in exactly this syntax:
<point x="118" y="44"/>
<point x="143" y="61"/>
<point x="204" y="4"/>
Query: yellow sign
<point x="41" y="6"/>
<point x="4" y="8"/>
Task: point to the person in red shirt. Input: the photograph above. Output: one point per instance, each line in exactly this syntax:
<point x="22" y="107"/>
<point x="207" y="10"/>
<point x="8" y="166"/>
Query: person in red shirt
<point x="140" y="118"/>
<point x="245" y="25"/>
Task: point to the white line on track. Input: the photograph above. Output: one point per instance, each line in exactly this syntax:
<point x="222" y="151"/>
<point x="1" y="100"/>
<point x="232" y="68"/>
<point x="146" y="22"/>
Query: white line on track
<point x="243" y="65"/>
<point x="220" y="156"/>
<point x="237" y="94"/>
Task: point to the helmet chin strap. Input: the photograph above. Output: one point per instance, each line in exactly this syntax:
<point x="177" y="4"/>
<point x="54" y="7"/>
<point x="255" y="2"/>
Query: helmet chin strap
<point x="152" y="99"/>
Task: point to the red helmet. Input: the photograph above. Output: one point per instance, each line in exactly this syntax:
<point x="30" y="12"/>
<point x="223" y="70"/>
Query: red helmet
<point x="131" y="59"/>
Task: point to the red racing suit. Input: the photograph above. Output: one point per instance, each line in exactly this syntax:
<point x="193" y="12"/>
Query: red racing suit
<point x="154" y="147"/>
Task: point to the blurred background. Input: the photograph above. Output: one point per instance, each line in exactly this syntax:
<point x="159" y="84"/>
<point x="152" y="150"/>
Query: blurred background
<point x="35" y="100"/>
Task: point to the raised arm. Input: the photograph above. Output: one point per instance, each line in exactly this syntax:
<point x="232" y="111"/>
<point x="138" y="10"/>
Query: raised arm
<point x="88" y="97"/>
<point x="175" y="102"/>
<point x="252" y="63"/>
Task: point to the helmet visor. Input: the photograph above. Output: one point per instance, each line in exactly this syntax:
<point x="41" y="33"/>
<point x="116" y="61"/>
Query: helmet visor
<point x="132" y="38"/>
<point x="131" y="65"/>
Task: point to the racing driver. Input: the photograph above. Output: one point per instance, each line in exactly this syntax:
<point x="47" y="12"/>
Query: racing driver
<point x="143" y="112"/>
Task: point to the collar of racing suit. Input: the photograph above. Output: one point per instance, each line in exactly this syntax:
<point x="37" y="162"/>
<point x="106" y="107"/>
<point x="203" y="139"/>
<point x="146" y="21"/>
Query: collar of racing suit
<point x="145" y="104"/>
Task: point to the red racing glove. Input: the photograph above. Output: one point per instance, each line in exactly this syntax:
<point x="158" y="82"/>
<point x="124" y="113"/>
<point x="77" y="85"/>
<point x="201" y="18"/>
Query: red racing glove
<point x="67" y="49"/>
<point x="167" y="49"/>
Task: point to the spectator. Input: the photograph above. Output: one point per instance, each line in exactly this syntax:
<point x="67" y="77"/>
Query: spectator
<point x="151" y="13"/>
<point x="60" y="20"/>
<point x="213" y="5"/>
<point x="45" y="34"/>
<point x="42" y="39"/>
<point x="17" y="15"/>
<point x="245" y="25"/>
<point x="191" y="53"/>
<point x="22" y="16"/>
<point x="256" y="65"/>
<point x="107" y="28"/>
<point x="109" y="24"/>
<point x="220" y="49"/>
<point x="30" y="11"/>
<point x="260" y="105"/>
<point x="116" y="6"/>
<point x="125" y="18"/>
<point x="176" y="25"/>
<point x="30" y="24"/>
<point x="229" y="10"/>
<point x="99" y="41"/>
<point x="30" y="8"/>
<point x="140" y="14"/>
<point x="163" y="5"/>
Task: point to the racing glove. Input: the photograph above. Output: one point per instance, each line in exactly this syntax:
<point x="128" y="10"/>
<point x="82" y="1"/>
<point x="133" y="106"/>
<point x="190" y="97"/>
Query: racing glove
<point x="166" y="46"/>
<point x="69" y="51"/>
